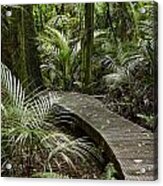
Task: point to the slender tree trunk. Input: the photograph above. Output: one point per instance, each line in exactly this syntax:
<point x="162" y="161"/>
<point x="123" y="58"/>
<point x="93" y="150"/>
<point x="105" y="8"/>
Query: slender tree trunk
<point x="87" y="44"/>
<point x="109" y="22"/>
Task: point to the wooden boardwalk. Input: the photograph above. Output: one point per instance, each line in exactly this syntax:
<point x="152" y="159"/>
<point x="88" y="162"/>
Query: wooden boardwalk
<point x="130" y="147"/>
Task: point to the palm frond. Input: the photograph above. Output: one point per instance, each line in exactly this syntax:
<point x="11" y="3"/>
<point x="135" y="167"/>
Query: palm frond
<point x="26" y="129"/>
<point x="12" y="87"/>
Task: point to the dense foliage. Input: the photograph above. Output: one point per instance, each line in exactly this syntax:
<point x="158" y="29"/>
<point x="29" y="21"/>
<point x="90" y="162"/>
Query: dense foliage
<point x="123" y="62"/>
<point x="30" y="140"/>
<point x="104" y="49"/>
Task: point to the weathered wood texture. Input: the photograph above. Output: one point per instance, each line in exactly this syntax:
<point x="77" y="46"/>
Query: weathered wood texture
<point x="132" y="148"/>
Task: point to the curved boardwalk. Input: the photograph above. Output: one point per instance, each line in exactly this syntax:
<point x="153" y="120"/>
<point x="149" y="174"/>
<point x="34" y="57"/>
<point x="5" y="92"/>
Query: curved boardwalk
<point x="132" y="148"/>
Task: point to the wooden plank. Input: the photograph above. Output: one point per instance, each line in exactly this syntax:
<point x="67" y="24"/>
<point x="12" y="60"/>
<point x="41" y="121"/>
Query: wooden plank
<point x="131" y="147"/>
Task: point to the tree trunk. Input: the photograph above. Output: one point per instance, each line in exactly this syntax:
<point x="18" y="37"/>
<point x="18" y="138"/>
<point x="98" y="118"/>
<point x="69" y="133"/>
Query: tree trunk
<point x="87" y="44"/>
<point x="32" y="58"/>
<point x="13" y="44"/>
<point x="109" y="22"/>
<point x="19" y="51"/>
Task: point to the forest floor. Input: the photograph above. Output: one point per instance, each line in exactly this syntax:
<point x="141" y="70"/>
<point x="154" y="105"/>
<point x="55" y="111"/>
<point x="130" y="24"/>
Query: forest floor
<point x="90" y="169"/>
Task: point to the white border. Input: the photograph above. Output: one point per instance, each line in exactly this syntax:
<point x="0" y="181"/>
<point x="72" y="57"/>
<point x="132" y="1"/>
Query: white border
<point x="53" y="182"/>
<point x="58" y="1"/>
